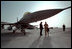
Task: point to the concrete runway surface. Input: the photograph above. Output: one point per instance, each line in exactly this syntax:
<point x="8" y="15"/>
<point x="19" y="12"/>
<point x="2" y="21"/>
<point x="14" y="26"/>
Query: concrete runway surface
<point x="56" y="39"/>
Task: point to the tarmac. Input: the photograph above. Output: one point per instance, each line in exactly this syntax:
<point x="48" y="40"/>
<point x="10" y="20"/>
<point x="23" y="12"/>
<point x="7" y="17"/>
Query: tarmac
<point x="57" y="39"/>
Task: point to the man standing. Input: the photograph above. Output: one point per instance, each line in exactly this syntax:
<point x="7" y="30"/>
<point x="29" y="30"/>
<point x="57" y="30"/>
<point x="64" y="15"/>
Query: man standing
<point x="46" y="29"/>
<point x="63" y="27"/>
<point x="41" y="28"/>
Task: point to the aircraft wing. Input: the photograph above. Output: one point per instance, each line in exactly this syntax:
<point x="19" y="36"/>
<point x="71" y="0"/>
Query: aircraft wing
<point x="40" y="15"/>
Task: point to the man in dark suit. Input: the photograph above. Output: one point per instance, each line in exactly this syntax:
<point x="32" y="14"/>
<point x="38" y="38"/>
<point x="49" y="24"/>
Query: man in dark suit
<point x="41" y="28"/>
<point x="63" y="27"/>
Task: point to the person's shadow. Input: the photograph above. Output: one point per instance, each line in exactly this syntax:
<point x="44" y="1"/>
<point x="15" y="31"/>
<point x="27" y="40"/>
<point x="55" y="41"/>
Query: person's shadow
<point x="35" y="43"/>
<point x="46" y="43"/>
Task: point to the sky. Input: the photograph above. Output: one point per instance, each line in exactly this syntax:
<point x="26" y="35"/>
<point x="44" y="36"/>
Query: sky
<point x="11" y="10"/>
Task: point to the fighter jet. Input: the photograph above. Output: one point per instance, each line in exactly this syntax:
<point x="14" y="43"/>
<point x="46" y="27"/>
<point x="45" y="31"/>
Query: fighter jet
<point x="23" y="23"/>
